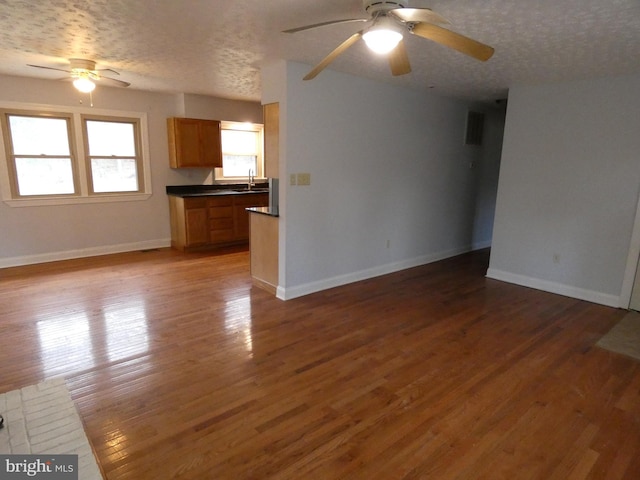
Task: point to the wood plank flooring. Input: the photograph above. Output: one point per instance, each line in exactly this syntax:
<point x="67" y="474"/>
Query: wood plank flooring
<point x="181" y="369"/>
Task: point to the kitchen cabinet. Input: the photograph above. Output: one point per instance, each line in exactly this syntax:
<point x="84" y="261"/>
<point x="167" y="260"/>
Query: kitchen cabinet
<point x="194" y="143"/>
<point x="188" y="222"/>
<point x="221" y="219"/>
<point x="210" y="221"/>
<point x="271" y="119"/>
<point x="241" y="216"/>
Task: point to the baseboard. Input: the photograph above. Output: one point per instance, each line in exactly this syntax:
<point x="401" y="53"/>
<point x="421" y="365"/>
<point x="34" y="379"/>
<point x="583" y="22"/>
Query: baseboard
<point x="554" y="287"/>
<point x="83" y="252"/>
<point x="288" y="293"/>
<point x="272" y="289"/>
<point x="481" y="245"/>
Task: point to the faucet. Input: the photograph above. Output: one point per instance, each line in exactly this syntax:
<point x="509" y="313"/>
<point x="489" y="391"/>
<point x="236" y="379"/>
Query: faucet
<point x="251" y="181"/>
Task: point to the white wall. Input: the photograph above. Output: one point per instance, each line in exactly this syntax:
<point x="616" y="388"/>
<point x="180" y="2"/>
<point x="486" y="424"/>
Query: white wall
<point x="568" y="188"/>
<point x="388" y="167"/>
<point x="36" y="234"/>
<point x="214" y="108"/>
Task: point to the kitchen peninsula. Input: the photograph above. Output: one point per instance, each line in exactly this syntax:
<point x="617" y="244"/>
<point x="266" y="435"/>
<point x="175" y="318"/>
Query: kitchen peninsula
<point x="263" y="247"/>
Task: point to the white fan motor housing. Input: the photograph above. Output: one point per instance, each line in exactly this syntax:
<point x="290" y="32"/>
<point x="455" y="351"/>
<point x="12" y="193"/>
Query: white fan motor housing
<point x="82" y="64"/>
<point x="374" y="6"/>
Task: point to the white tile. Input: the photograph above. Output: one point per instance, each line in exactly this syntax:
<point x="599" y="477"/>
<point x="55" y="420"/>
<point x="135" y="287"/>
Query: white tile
<point x="13" y="399"/>
<point x="43" y="419"/>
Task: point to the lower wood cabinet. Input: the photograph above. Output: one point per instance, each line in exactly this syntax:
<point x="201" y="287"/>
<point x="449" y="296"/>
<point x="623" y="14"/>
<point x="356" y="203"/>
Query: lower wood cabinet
<point x="241" y="216"/>
<point x="204" y="222"/>
<point x="220" y="214"/>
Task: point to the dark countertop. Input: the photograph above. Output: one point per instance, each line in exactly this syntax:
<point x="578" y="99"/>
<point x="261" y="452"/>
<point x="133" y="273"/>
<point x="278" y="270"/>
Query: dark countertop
<point x="270" y="211"/>
<point x="209" y="190"/>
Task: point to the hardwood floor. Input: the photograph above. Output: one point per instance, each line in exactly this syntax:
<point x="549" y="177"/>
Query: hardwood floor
<point x="180" y="369"/>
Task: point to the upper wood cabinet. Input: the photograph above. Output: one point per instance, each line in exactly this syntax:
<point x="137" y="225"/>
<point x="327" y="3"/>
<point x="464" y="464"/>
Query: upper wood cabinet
<point x="194" y="143"/>
<point x="271" y="115"/>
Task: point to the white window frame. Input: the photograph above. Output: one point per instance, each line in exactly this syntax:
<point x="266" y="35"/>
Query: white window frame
<point x="251" y="127"/>
<point x="83" y="195"/>
<point x="137" y="158"/>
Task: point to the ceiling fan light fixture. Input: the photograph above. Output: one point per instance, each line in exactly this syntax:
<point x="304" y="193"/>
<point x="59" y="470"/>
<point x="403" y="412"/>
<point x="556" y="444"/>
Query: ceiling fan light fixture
<point x="383" y="36"/>
<point x="84" y="84"/>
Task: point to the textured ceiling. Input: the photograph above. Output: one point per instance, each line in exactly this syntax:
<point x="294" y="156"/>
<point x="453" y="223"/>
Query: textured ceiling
<point x="216" y="47"/>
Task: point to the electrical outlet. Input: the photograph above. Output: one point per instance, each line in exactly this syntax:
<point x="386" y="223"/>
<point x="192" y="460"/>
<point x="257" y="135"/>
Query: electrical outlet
<point x="292" y="179"/>
<point x="304" y="179"/>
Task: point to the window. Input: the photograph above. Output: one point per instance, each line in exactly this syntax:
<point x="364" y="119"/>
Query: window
<point x="65" y="157"/>
<point x="241" y="150"/>
<point x="41" y="155"/>
<point x="112" y="155"/>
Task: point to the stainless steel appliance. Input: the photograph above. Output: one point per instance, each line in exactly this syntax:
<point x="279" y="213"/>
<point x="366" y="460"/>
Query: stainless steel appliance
<point x="274" y="193"/>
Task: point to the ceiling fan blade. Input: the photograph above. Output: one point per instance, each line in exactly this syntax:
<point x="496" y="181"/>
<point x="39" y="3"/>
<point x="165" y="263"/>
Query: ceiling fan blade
<point x="49" y="68"/>
<point x="107" y="70"/>
<point x="399" y="60"/>
<point x="114" y="81"/>
<point x="419" y="15"/>
<point x="333" y="55"/>
<point x="458" y="42"/>
<point x="324" y="24"/>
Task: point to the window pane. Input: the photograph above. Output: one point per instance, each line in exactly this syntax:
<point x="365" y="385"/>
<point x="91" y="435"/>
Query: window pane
<point x="114" y="175"/>
<point x="238" y="165"/>
<point x="238" y="142"/>
<point x="39" y="135"/>
<point x="111" y="139"/>
<point x="44" y="176"/>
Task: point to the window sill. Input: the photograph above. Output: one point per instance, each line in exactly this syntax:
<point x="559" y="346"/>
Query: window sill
<point x="109" y="198"/>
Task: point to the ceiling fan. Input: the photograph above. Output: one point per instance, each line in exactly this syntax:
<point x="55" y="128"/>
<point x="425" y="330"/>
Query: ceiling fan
<point x="389" y="20"/>
<point x="84" y="74"/>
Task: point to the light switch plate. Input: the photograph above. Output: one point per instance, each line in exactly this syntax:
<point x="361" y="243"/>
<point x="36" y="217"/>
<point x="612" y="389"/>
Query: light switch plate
<point x="304" y="179"/>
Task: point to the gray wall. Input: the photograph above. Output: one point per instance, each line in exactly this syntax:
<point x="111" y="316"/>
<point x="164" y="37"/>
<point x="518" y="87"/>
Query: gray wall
<point x="568" y="188"/>
<point x="488" y="168"/>
<point x="391" y="183"/>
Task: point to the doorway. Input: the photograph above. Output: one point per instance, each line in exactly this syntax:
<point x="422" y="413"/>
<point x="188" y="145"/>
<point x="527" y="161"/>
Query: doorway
<point x="630" y="294"/>
<point x="634" y="303"/>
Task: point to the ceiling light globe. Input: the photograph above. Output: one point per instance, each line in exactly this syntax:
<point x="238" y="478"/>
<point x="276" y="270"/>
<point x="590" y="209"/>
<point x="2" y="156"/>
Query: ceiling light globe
<point x="84" y="85"/>
<point x="382" y="40"/>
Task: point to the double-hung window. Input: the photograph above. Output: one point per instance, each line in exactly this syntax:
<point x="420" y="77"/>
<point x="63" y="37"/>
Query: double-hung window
<point x="112" y="153"/>
<point x="40" y="153"/>
<point x="73" y="156"/>
<point x="241" y="150"/>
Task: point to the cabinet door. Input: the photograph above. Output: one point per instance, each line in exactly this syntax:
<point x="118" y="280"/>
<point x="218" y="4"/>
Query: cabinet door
<point x="194" y="143"/>
<point x="185" y="133"/>
<point x="210" y="143"/>
<point x="241" y="222"/>
<point x="196" y="226"/>
<point x="240" y="214"/>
